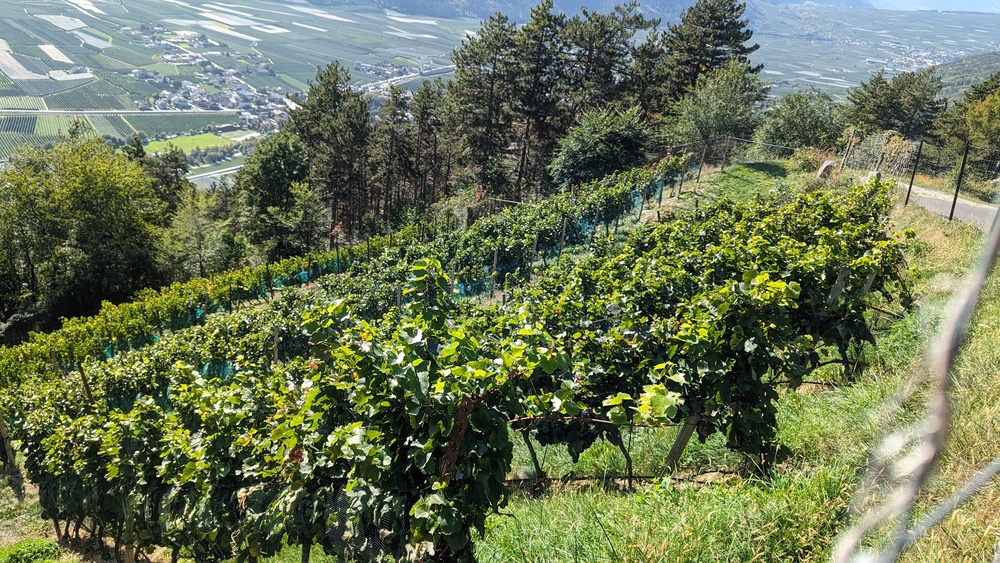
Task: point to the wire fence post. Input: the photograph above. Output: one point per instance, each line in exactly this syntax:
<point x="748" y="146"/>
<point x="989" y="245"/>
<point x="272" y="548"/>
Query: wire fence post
<point x="958" y="183"/>
<point x="725" y="155"/>
<point x="920" y="149"/>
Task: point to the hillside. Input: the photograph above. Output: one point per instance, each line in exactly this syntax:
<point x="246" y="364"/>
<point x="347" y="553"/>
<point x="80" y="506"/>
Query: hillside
<point x="958" y="75"/>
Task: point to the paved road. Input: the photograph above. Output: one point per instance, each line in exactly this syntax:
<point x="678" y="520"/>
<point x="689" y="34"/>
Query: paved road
<point x="979" y="214"/>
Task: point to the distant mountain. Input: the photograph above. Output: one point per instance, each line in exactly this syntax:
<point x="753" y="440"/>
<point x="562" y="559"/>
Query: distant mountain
<point x="519" y="10"/>
<point x="957" y="76"/>
<point x="940" y="5"/>
<point x="863" y="4"/>
<point x="668" y="10"/>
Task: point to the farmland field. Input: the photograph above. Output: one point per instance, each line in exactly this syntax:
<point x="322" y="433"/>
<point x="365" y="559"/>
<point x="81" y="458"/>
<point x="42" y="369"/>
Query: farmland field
<point x="186" y="143"/>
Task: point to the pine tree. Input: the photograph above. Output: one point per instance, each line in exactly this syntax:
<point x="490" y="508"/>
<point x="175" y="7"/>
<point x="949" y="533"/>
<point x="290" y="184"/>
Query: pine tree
<point x="540" y="87"/>
<point x="601" y="50"/>
<point x="334" y="124"/>
<point x="481" y="92"/>
<point x="392" y="154"/>
<point x="710" y="34"/>
<point x="432" y="151"/>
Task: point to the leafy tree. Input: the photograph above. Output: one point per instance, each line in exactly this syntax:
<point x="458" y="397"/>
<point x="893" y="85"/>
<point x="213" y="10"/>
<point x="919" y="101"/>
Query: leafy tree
<point x="723" y="102"/>
<point x="982" y="121"/>
<point x="168" y="170"/>
<point x="604" y="141"/>
<point x="297" y="229"/>
<point x="907" y="103"/>
<point x="954" y="124"/>
<point x="265" y="183"/>
<point x="193" y="243"/>
<point x="800" y="119"/>
<point x="265" y="180"/>
<point x="710" y="34"/>
<point x="76" y="227"/>
<point x="229" y="208"/>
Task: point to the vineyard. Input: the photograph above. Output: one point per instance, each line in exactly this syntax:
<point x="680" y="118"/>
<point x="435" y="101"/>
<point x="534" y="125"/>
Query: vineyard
<point x="94" y="95"/>
<point x="18" y="124"/>
<point x="112" y="126"/>
<point x="177" y="124"/>
<point x="375" y="414"/>
<point x="21" y="102"/>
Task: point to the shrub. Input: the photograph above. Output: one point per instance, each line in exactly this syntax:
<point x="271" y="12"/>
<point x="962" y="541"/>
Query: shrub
<point x="29" y="551"/>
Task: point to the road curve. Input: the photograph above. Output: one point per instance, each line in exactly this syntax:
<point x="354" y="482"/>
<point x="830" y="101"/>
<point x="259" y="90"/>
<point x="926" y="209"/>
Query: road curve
<point x="979" y="214"/>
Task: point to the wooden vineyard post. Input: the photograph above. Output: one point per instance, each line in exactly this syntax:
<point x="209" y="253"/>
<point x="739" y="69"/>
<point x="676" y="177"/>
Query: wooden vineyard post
<point x="867" y="287"/>
<point x="86" y="385"/>
<point x="562" y="240"/>
<point x="7" y="449"/>
<point x="702" y="165"/>
<point x="593" y="234"/>
<point x="493" y="272"/>
<point x="55" y="362"/>
<point x="269" y="281"/>
<point x="336" y="254"/>
<point x="277" y="339"/>
<point x="534" y="251"/>
<point x="451" y="289"/>
<point x="847" y="152"/>
<point x="838" y="286"/>
<point x="399" y="296"/>
<point x="674" y="457"/>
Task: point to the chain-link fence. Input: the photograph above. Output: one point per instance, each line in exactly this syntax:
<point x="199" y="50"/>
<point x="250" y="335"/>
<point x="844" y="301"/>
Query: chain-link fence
<point x="952" y="167"/>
